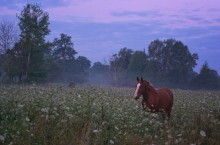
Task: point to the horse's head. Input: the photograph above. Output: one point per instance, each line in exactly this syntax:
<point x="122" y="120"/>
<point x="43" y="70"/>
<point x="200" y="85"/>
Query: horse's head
<point x="140" y="89"/>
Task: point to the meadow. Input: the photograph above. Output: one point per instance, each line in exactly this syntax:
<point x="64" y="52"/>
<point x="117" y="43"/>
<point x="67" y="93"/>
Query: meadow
<point x="91" y="115"/>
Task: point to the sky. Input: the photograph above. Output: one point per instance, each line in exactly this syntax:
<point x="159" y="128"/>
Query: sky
<point x="100" y="28"/>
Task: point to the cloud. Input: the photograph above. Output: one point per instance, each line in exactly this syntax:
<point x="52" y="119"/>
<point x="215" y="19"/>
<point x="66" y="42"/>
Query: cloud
<point x="101" y="11"/>
<point x="105" y="26"/>
<point x="168" y="13"/>
<point x="4" y="11"/>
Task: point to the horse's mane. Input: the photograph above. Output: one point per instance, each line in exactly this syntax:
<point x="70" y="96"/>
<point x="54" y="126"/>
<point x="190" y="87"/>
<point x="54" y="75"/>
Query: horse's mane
<point x="149" y="85"/>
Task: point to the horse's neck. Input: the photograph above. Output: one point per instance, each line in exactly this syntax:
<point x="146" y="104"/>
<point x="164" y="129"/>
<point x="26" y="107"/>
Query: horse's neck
<point x="150" y="87"/>
<point x="150" y="92"/>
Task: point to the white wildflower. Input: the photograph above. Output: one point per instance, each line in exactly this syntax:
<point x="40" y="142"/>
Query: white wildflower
<point x="47" y="117"/>
<point x="44" y="110"/>
<point x="67" y="108"/>
<point x="154" y="115"/>
<point x="202" y="133"/>
<point x="179" y="135"/>
<point x="116" y="128"/>
<point x="2" y="138"/>
<point x="20" y="106"/>
<point x="95" y="131"/>
<point x="27" y="119"/>
<point x="54" y="108"/>
<point x="69" y="115"/>
<point x="111" y="142"/>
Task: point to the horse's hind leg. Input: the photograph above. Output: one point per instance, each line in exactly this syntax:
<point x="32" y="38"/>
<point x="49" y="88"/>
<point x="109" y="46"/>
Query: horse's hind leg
<point x="166" y="114"/>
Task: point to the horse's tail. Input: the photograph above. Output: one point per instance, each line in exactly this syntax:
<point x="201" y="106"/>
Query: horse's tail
<point x="171" y="98"/>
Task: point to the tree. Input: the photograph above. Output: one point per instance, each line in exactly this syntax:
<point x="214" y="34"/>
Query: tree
<point x="138" y="63"/>
<point x="34" y="27"/>
<point x="8" y="35"/>
<point x="83" y="63"/>
<point x="98" y="67"/>
<point x="11" y="64"/>
<point x="64" y="55"/>
<point x="63" y="48"/>
<point x="206" y="79"/>
<point x="124" y="57"/>
<point x="172" y="61"/>
<point x="77" y="70"/>
<point x="119" y="65"/>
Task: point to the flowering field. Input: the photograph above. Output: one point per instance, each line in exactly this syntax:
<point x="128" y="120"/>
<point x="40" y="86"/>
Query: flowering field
<point x="89" y="115"/>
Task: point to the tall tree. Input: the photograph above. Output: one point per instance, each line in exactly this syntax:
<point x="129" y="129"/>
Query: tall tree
<point x="33" y="24"/>
<point x="64" y="56"/>
<point x="82" y="69"/>
<point x="154" y="68"/>
<point x="63" y="48"/>
<point x="172" y="60"/>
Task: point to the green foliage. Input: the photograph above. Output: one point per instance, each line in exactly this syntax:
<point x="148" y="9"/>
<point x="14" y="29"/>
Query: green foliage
<point x="64" y="66"/>
<point x="172" y="61"/>
<point x="34" y="27"/>
<point x="206" y="79"/>
<point x="63" y="48"/>
<point x="168" y="63"/>
<point x="121" y="60"/>
<point x="82" y="69"/>
<point x="119" y="65"/>
<point x="138" y="63"/>
<point x="11" y="64"/>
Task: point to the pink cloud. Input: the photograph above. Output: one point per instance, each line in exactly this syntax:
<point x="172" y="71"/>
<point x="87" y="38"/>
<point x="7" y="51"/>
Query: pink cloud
<point x="168" y="12"/>
<point x="4" y="11"/>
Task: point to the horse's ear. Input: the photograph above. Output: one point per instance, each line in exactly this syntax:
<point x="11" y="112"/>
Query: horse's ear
<point x="142" y="79"/>
<point x="138" y="79"/>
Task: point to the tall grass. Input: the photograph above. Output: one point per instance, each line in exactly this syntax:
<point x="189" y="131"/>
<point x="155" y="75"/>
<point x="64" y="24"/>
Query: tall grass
<point x="89" y="115"/>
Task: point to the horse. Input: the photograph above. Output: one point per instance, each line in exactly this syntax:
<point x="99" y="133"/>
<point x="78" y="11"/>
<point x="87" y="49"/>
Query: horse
<point x="156" y="100"/>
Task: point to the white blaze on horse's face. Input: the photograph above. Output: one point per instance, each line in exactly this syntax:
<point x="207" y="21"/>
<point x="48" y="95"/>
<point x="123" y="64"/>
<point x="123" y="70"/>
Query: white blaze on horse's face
<point x="136" y="91"/>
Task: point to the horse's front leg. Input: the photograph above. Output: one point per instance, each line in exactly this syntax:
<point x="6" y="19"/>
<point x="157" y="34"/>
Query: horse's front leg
<point x="144" y="105"/>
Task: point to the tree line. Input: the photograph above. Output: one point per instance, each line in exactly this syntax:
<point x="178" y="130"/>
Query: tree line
<point x="29" y="58"/>
<point x="167" y="63"/>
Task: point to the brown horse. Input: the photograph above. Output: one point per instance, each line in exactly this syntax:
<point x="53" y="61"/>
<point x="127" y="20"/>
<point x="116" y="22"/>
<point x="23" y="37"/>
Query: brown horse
<point x="160" y="100"/>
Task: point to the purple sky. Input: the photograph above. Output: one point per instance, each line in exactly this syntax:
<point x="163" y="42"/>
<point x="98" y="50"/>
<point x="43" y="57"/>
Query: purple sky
<point x="100" y="28"/>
